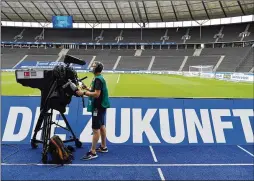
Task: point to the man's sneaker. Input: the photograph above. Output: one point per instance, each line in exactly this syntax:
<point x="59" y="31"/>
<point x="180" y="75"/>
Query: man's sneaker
<point x="103" y="150"/>
<point x="89" y="156"/>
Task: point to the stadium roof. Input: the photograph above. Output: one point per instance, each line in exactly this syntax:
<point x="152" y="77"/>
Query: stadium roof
<point x="118" y="11"/>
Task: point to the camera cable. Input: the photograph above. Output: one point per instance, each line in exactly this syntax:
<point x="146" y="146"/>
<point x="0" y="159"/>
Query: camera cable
<point x="13" y="146"/>
<point x="15" y="152"/>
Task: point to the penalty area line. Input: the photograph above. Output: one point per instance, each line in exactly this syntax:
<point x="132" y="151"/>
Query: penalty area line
<point x="161" y="174"/>
<point x="245" y="150"/>
<point x="133" y="165"/>
<point x="153" y="154"/>
<point x="118" y="78"/>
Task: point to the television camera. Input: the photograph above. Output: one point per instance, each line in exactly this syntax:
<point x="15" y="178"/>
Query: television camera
<point x="57" y="86"/>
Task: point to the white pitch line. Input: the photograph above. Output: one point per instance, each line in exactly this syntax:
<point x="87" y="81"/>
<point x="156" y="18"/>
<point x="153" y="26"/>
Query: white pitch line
<point x="161" y="174"/>
<point x="134" y="165"/>
<point x="118" y="78"/>
<point x="154" y="157"/>
<point x="245" y="150"/>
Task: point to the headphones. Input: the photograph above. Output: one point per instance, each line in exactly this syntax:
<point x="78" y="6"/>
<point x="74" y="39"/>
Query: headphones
<point x="98" y="67"/>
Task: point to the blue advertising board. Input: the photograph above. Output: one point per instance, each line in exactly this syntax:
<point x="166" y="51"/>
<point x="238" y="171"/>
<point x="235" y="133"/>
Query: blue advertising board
<point x="143" y="121"/>
<point x="62" y="21"/>
<point x="46" y="65"/>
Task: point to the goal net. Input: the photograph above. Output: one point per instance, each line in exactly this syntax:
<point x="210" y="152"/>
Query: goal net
<point x="201" y="68"/>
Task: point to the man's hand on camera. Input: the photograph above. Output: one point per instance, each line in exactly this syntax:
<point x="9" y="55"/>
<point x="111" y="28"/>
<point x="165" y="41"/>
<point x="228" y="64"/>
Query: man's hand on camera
<point x="79" y="92"/>
<point x="84" y="86"/>
<point x="95" y="94"/>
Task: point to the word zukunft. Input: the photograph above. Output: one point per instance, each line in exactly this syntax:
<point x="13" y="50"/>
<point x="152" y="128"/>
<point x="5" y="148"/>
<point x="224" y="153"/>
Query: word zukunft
<point x="147" y="126"/>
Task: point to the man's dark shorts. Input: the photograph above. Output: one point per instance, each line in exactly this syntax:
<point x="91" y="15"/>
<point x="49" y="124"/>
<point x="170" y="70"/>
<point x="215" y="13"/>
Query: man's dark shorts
<point x="99" y="119"/>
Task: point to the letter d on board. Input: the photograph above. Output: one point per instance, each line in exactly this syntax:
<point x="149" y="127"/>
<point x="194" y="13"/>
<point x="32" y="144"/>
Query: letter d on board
<point x="11" y="123"/>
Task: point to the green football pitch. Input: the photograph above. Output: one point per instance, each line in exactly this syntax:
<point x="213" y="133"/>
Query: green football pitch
<point x="145" y="85"/>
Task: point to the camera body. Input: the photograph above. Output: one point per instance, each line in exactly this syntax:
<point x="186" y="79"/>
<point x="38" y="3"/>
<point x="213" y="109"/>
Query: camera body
<point x="57" y="86"/>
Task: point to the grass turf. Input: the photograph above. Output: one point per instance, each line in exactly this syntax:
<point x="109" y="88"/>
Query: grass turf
<point x="145" y="85"/>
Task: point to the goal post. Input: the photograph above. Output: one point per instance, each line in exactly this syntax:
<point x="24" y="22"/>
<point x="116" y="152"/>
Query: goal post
<point x="201" y="68"/>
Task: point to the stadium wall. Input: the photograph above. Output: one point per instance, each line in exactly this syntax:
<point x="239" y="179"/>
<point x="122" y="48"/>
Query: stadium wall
<point x="141" y="121"/>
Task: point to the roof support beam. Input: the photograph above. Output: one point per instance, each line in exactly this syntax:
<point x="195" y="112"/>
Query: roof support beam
<point x="80" y="11"/>
<point x="64" y="8"/>
<point x="105" y="11"/>
<point x="39" y="11"/>
<point x="145" y="11"/>
<point x="50" y="7"/>
<point x="14" y="11"/>
<point x="174" y="10"/>
<point x="189" y="10"/>
<point x="222" y="9"/>
<point x="240" y="5"/>
<point x="159" y="10"/>
<point x="205" y="10"/>
<point x="132" y="12"/>
<point x="92" y="11"/>
<point x="118" y="11"/>
<point x="139" y="13"/>
<point x="28" y="11"/>
<point x="6" y="16"/>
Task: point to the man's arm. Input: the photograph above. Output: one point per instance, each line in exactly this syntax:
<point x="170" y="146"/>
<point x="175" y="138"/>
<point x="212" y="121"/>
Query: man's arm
<point x="96" y="93"/>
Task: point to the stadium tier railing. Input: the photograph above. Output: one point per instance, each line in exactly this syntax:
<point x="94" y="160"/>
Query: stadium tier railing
<point x="150" y="45"/>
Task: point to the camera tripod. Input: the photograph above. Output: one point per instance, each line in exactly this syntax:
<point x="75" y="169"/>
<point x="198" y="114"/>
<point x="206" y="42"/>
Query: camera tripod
<point x="45" y="120"/>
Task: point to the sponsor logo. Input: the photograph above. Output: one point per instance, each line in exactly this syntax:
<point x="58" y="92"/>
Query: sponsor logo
<point x="240" y="77"/>
<point x="226" y="76"/>
<point x="219" y="76"/>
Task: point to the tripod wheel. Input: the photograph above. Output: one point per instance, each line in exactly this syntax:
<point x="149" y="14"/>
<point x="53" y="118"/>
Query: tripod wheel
<point x="78" y="144"/>
<point x="34" y="145"/>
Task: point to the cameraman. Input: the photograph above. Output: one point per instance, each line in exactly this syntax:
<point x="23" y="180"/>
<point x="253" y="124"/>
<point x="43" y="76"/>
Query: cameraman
<point x="98" y="102"/>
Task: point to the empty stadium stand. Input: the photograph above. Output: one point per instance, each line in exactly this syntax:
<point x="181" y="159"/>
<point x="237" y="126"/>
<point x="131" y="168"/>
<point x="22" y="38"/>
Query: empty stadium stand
<point x="8" y="33"/>
<point x="232" y="56"/>
<point x="66" y="36"/>
<point x="230" y="33"/>
<point x="109" y="35"/>
<point x="248" y="62"/>
<point x="11" y="56"/>
<point x="176" y="34"/>
<point x="108" y="61"/>
<point x="167" y="63"/>
<point x="49" y="58"/>
<point x="229" y="51"/>
<point x="205" y="36"/>
<point x="165" y="59"/>
<point x="134" y="63"/>
<point x="8" y="61"/>
<point x="133" y="57"/>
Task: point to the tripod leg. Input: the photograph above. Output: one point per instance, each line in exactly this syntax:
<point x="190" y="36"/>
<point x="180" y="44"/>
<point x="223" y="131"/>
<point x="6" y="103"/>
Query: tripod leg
<point x="42" y="117"/>
<point x="46" y="136"/>
<point x="37" y="128"/>
<point x="77" y="142"/>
